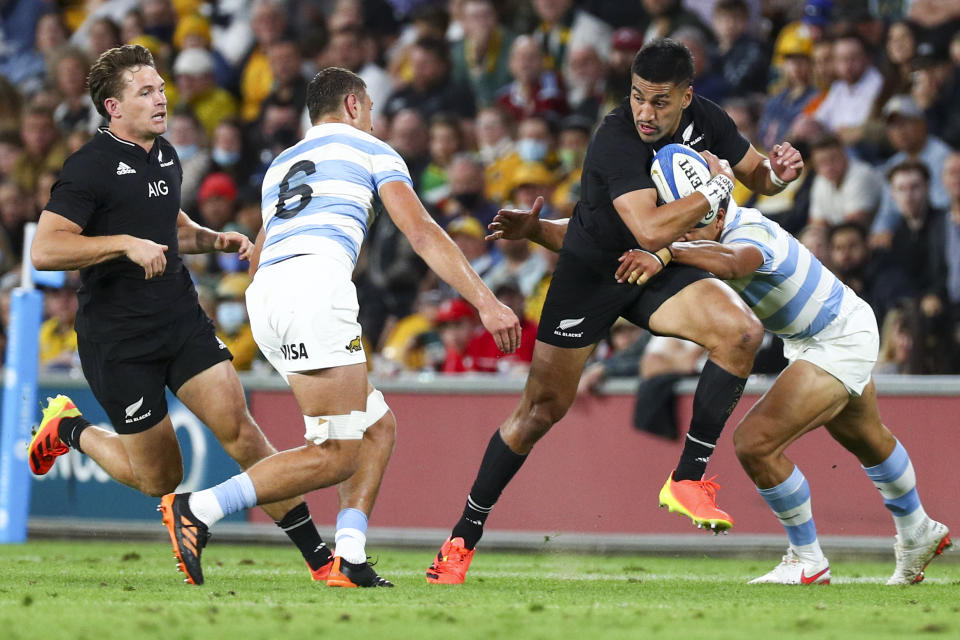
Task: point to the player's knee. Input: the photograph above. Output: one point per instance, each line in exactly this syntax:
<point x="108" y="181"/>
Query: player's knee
<point x="337" y="459"/>
<point x="751" y="446"/>
<point x="250" y="445"/>
<point x="743" y="332"/>
<point x="540" y="415"/>
<point x="159" y="485"/>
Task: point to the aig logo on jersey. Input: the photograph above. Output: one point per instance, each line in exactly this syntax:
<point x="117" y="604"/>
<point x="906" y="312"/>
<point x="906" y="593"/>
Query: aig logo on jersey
<point x="157" y="188"/>
<point x="294" y="351"/>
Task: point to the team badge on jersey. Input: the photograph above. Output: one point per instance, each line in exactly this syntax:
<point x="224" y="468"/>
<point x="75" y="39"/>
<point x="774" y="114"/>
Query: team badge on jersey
<point x="355" y="345"/>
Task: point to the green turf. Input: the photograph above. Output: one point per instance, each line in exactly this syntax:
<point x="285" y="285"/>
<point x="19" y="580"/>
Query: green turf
<point x="98" y="590"/>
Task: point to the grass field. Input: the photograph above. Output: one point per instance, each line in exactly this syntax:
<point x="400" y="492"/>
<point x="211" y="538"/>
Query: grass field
<point x="100" y="590"/>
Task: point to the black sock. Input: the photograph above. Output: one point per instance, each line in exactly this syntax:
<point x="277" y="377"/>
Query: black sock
<point x="299" y="527"/>
<point x="498" y="467"/>
<point x="718" y="392"/>
<point x="69" y="431"/>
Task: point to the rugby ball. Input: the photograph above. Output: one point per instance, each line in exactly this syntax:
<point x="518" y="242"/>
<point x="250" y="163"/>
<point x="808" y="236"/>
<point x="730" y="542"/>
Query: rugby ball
<point x="677" y="171"/>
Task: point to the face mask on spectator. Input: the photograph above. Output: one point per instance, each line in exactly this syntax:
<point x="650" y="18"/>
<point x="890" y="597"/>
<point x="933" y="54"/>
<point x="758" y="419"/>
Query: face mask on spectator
<point x="531" y="150"/>
<point x="225" y="158"/>
<point x="569" y="158"/>
<point x="186" y="151"/>
<point x="231" y="315"/>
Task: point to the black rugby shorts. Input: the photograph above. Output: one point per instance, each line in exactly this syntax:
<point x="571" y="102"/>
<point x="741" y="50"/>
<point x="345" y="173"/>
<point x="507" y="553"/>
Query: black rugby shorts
<point x="129" y="377"/>
<point x="582" y="304"/>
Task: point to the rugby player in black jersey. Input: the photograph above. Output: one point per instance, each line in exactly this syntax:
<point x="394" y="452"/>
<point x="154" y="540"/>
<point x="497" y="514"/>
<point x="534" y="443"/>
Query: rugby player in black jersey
<point x="619" y="211"/>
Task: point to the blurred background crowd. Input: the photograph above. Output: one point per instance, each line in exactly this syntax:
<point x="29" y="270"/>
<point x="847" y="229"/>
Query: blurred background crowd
<point x="492" y="104"/>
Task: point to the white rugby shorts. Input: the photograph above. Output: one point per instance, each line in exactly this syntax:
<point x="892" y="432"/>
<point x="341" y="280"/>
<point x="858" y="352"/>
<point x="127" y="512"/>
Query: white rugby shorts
<point x="847" y="348"/>
<point x="303" y="313"/>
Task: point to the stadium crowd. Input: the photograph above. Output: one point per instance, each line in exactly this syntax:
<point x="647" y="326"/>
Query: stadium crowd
<point x="492" y="103"/>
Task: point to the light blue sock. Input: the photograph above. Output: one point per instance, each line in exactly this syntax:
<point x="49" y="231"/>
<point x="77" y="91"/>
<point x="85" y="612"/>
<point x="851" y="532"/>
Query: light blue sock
<point x="790" y="501"/>
<point x="235" y="494"/>
<point x="897" y="482"/>
<point x="351" y="536"/>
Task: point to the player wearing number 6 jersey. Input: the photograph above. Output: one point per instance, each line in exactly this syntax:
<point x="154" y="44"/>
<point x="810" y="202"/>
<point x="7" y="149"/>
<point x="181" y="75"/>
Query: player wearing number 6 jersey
<point x="303" y="311"/>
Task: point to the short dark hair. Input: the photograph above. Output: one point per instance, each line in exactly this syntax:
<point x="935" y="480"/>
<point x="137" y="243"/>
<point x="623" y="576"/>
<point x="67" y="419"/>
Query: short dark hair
<point x="732" y="6"/>
<point x="664" y="60"/>
<point x="105" y="79"/>
<point x="436" y="46"/>
<point x="906" y="167"/>
<point x="328" y="89"/>
<point x="856" y="227"/>
<point x="826" y="140"/>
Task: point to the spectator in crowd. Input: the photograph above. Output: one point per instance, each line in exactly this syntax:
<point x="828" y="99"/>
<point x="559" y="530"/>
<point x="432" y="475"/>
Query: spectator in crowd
<point x="534" y="89"/>
<point x="289" y="85"/>
<point x="907" y="133"/>
<point x="432" y="89"/>
<point x="814" y="238"/>
<point x="482" y="352"/>
<point x="850" y="258"/>
<point x="277" y="129"/>
<point x="899" y="49"/>
<point x="466" y="196"/>
<point x="42" y="146"/>
<point x="104" y="34"/>
<point x="918" y="248"/>
<point x="493" y="135"/>
<point x="624" y="46"/>
<point x="666" y="17"/>
<point x="11" y="148"/>
<point x="187" y="137"/>
<point x="710" y="84"/>
<point x="457" y="324"/>
<point x="936" y="89"/>
<point x="76" y="111"/>
<point x="572" y="144"/>
<point x="409" y="136"/>
<point x="16" y="209"/>
<point x="348" y="47"/>
<point x="159" y="19"/>
<point x="897" y="338"/>
<point x="824" y="74"/>
<point x="560" y="26"/>
<point x="617" y="357"/>
<point x="785" y="107"/>
<point x="230" y="318"/>
<point x="21" y="60"/>
<point x="480" y="58"/>
<point x="58" y="339"/>
<point x="193" y="73"/>
<point x="586" y="74"/>
<point x="268" y="19"/>
<point x="412" y="343"/>
<point x="742" y="60"/>
<point x="951" y="182"/>
<point x="227" y="151"/>
<point x="851" y="98"/>
<point x="193" y="32"/>
<point x="446" y="140"/>
<point x="468" y="234"/>
<point x="918" y="243"/>
<point x="845" y="189"/>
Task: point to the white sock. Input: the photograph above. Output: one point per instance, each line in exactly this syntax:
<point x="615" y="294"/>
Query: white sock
<point x="809" y="553"/>
<point x="351" y="545"/>
<point x="205" y="506"/>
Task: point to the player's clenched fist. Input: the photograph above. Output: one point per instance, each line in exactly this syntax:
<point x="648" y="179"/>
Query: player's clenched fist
<point x="149" y="255"/>
<point x="503" y="324"/>
<point x="786" y="162"/>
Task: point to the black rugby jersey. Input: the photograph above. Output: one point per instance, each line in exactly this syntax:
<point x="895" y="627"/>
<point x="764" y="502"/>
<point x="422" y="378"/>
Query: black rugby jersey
<point x="111" y="187"/>
<point x="618" y="162"/>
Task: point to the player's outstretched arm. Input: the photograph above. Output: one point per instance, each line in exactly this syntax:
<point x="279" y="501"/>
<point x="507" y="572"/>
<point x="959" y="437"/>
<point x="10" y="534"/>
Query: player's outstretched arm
<point x="195" y="238"/>
<point x="59" y="245"/>
<point x="519" y="224"/>
<point x="726" y="261"/>
<point x="444" y="257"/>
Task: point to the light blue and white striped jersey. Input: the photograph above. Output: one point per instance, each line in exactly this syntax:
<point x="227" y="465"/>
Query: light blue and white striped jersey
<point x="318" y="194"/>
<point x="792" y="293"/>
